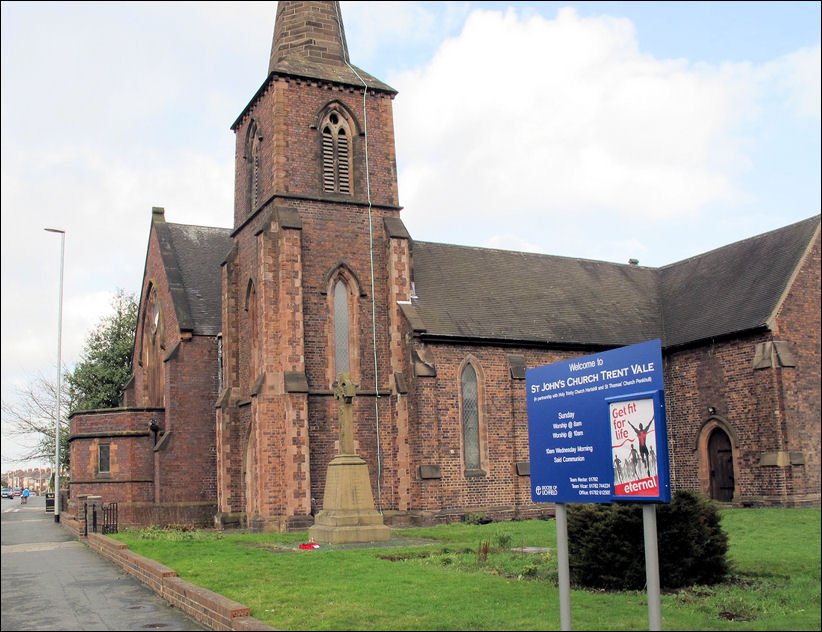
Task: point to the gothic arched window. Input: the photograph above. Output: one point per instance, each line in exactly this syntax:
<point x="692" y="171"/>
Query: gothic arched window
<point x="342" y="291"/>
<point x="251" y="339"/>
<point x="470" y="417"/>
<point x="342" y="357"/>
<point x="153" y="344"/>
<point x="335" y="136"/>
<point x="252" y="157"/>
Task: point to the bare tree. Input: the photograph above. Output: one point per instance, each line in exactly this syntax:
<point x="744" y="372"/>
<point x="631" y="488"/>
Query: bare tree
<point x="97" y="381"/>
<point x="32" y="416"/>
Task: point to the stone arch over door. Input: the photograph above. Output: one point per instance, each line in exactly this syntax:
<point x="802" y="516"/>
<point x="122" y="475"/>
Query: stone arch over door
<point x="717" y="449"/>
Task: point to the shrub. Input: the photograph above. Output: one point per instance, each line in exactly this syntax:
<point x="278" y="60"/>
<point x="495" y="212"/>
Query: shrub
<point x="477" y="518"/>
<point x="606" y="546"/>
<point x="503" y="541"/>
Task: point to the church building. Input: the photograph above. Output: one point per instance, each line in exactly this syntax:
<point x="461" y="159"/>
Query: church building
<point x="231" y="419"/>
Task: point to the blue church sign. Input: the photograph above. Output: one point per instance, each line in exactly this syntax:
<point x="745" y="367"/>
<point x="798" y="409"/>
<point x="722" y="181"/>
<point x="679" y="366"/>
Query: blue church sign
<point x="597" y="428"/>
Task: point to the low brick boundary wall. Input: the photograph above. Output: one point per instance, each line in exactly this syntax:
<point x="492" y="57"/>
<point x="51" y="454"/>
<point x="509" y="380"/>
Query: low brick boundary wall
<point x="71" y="525"/>
<point x="212" y="610"/>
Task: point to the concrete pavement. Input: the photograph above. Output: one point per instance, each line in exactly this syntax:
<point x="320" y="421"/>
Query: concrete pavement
<point x="51" y="581"/>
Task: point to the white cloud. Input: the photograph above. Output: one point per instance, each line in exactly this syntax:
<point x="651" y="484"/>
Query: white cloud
<point x="377" y="29"/>
<point x="798" y="76"/>
<point x="572" y="122"/>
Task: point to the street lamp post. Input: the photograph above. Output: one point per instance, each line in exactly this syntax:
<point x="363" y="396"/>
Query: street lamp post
<point x="62" y="234"/>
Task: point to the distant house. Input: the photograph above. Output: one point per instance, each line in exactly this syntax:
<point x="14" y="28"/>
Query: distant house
<point x="242" y="332"/>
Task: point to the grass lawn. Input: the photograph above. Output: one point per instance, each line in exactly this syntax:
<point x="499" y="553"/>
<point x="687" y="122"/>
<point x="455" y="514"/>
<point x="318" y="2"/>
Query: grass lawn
<point x="438" y="579"/>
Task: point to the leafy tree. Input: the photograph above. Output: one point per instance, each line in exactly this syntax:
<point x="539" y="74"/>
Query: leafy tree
<point x="105" y="363"/>
<point x="96" y="382"/>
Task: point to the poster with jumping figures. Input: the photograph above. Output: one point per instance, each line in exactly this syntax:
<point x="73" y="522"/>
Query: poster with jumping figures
<point x="633" y="447"/>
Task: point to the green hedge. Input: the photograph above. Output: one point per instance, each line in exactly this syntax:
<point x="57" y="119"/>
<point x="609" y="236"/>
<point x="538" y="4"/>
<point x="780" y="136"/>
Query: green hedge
<point x="606" y="547"/>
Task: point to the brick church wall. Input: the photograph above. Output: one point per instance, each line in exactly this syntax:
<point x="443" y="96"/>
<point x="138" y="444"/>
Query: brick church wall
<point x="177" y="481"/>
<point x="721" y="376"/>
<point x="436" y="434"/>
<point x="154" y="275"/>
<point x="798" y="322"/>
<point x="130" y="480"/>
<point x="773" y="413"/>
<point x="187" y="464"/>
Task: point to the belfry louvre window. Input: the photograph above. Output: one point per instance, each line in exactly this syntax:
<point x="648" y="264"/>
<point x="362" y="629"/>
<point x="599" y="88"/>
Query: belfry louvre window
<point x="336" y="155"/>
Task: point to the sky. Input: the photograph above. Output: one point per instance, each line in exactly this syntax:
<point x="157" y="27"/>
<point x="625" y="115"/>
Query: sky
<point x="600" y="130"/>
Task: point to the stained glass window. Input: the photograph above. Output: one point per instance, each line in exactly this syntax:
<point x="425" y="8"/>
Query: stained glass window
<point x="470" y="418"/>
<point x="341" y="327"/>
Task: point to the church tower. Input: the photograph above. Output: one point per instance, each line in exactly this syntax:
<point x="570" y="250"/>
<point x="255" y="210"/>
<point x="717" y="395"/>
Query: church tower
<point x="313" y="284"/>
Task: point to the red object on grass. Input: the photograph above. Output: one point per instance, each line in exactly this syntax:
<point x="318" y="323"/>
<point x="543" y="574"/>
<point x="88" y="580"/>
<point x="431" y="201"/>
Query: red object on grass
<point x="309" y="545"/>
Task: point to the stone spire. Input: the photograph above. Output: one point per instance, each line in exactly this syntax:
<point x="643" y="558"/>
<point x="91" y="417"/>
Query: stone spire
<point x="309" y="41"/>
<point x="308" y="32"/>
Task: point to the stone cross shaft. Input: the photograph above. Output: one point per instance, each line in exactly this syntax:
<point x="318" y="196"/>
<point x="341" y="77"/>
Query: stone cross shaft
<point x="345" y="390"/>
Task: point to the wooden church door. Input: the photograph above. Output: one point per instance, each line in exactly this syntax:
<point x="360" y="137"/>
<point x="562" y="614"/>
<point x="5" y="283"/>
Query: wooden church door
<point x="720" y="456"/>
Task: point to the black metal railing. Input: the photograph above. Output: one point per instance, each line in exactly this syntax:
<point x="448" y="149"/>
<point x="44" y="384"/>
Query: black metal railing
<point x="104" y="519"/>
<point x="110" y="518"/>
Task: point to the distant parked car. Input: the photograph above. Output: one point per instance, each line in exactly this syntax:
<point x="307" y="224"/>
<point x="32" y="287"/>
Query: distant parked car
<point x="8" y="493"/>
<point x="32" y="492"/>
<point x="17" y="492"/>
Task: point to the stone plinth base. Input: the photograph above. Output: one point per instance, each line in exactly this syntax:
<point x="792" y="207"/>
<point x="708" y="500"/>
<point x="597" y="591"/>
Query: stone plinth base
<point x="344" y="535"/>
<point x="348" y="513"/>
<point x="279" y="523"/>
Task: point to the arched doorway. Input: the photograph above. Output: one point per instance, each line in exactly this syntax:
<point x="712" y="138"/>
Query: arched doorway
<point x="720" y="458"/>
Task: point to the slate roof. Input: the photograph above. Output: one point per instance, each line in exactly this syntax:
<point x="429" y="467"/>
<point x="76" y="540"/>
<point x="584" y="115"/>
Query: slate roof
<point x="192" y="256"/>
<point x="325" y="72"/>
<point x="503" y="296"/>
<point x="496" y="295"/>
<point x="515" y="296"/>
<point x="734" y="288"/>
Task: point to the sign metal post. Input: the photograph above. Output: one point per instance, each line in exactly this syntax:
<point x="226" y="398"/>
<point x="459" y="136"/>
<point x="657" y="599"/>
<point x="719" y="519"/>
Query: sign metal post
<point x="652" y="567"/>
<point x="562" y="564"/>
